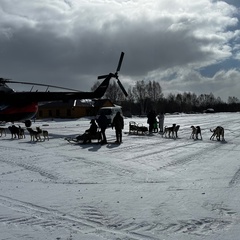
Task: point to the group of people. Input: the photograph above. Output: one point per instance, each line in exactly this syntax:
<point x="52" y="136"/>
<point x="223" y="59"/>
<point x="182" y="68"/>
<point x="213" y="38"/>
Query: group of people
<point x="102" y="123"/>
<point x="152" y="121"/>
<point x="118" y="123"/>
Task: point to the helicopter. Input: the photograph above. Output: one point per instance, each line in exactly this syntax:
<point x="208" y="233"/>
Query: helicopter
<point x="23" y="106"/>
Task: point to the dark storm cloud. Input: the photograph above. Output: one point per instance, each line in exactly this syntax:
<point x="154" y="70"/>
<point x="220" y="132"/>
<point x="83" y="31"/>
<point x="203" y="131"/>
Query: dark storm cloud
<point x="70" y="43"/>
<point x="233" y="2"/>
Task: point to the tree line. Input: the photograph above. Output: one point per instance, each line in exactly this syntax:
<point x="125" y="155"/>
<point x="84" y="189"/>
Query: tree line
<point x="145" y="96"/>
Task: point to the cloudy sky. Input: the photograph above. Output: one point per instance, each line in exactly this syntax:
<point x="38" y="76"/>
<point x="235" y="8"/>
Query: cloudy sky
<point x="188" y="46"/>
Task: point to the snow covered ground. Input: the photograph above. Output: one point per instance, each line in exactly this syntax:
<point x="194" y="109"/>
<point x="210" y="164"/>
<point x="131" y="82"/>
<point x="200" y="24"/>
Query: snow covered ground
<point x="149" y="187"/>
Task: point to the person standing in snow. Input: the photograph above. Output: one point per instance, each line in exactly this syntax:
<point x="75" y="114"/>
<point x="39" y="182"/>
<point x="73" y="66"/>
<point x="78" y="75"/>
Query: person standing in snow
<point x="103" y="123"/>
<point x="151" y="119"/>
<point x="118" y="123"/>
<point x="161" y="121"/>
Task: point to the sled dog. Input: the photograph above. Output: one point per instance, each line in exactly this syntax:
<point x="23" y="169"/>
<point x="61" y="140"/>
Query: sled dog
<point x="218" y="132"/>
<point x="21" y="132"/>
<point x="195" y="131"/>
<point x="169" y="130"/>
<point x="14" y="131"/>
<point x="34" y="134"/>
<point x="176" y="130"/>
<point x="43" y="132"/>
<point x="2" y="130"/>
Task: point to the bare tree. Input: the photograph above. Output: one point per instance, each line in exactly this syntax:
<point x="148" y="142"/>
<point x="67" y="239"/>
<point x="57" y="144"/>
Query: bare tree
<point x="114" y="93"/>
<point x="154" y="91"/>
<point x="232" y="100"/>
<point x="140" y="95"/>
<point x="147" y="94"/>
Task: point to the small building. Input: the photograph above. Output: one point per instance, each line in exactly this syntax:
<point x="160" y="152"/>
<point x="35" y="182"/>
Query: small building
<point x="72" y="108"/>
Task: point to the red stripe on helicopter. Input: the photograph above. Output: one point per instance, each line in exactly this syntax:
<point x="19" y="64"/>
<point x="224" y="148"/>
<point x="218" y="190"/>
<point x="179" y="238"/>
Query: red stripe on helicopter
<point x="30" y="108"/>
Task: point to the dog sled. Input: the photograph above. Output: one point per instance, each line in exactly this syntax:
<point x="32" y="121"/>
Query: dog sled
<point x="86" y="138"/>
<point x="136" y="128"/>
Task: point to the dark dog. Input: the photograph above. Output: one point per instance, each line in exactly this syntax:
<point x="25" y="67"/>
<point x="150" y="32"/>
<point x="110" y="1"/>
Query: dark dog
<point x="195" y="131"/>
<point x="199" y="131"/>
<point x="35" y="135"/>
<point x="176" y="130"/>
<point x="169" y="130"/>
<point x="14" y="131"/>
<point x="21" y="132"/>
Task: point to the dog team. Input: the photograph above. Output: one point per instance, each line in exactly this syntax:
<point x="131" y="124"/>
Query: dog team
<point x="172" y="131"/>
<point x="19" y="132"/>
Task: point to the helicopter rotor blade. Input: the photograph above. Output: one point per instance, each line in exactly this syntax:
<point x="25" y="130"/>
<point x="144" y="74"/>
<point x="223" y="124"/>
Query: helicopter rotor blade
<point x="120" y="61"/>
<point x="122" y="88"/>
<point x="39" y="84"/>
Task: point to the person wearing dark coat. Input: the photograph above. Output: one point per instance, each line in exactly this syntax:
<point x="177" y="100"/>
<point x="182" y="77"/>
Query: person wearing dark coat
<point x="93" y="127"/>
<point x="103" y="124"/>
<point x="86" y="137"/>
<point x="118" y="124"/>
<point x="151" y="119"/>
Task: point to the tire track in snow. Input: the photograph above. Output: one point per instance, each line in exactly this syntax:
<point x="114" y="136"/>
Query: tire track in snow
<point x="159" y="151"/>
<point x="220" y="208"/>
<point x="200" y="227"/>
<point x="32" y="168"/>
<point x="235" y="179"/>
<point x="107" y="166"/>
<point x="191" y="157"/>
<point x="93" y="221"/>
